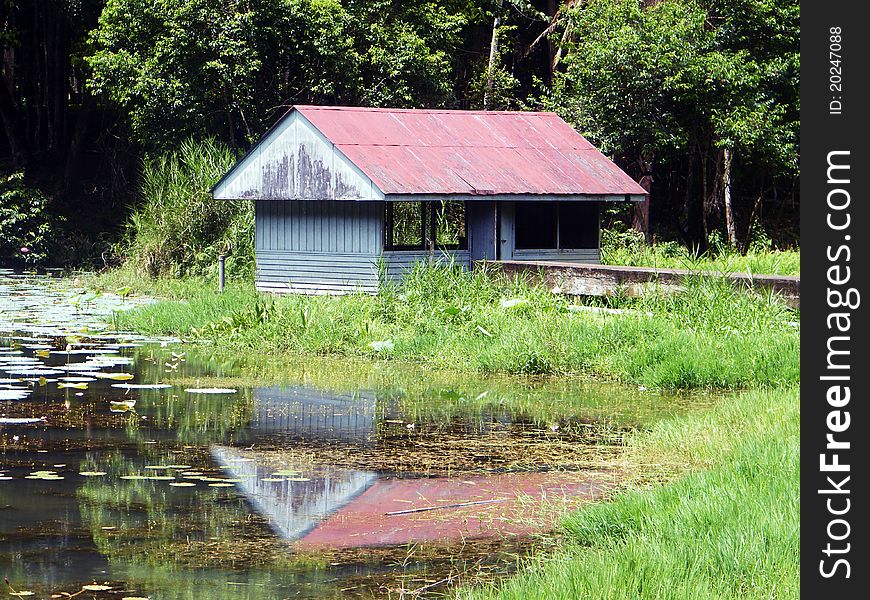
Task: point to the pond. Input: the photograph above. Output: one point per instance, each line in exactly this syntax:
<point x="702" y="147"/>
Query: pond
<point x="150" y="468"/>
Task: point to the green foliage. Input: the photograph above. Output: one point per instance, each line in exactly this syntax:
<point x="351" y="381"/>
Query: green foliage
<point x="666" y="87"/>
<point x="183" y="67"/>
<point x="178" y="229"/>
<point x="25" y="223"/>
<point x="708" y="336"/>
<point x="654" y="80"/>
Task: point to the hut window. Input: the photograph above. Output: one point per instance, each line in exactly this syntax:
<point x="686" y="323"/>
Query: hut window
<point x="535" y="225"/>
<point x="405" y="225"/>
<point x="578" y="225"/>
<point x="556" y="225"/>
<point x="414" y="225"/>
<point x="448" y="221"/>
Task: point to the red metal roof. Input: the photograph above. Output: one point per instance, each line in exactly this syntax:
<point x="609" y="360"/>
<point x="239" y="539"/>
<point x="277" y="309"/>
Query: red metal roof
<point x="409" y="151"/>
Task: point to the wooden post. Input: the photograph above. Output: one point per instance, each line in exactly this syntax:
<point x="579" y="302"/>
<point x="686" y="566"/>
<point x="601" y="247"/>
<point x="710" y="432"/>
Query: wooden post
<point x="221" y="273"/>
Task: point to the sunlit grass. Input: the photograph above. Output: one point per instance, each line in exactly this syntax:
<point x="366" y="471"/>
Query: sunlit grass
<point x="706" y="336"/>
<point x="628" y="249"/>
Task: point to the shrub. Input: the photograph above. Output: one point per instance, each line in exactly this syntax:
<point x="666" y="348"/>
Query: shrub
<point x="178" y="229"/>
<point x="25" y="226"/>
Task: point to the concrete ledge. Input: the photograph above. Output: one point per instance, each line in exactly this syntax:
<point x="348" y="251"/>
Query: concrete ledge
<point x="581" y="279"/>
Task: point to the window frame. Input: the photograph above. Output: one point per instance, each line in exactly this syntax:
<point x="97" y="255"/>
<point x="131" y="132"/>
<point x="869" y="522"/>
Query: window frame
<point x="428" y="233"/>
<point x="557" y="226"/>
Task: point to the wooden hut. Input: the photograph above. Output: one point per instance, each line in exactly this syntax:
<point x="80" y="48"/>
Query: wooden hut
<point x="346" y="196"/>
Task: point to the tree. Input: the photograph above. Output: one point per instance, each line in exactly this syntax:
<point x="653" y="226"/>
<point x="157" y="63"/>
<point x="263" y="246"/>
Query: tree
<point x="183" y="67"/>
<point x="690" y="88"/>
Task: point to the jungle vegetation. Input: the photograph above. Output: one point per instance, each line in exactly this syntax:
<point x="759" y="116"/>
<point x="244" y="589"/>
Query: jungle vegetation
<point x="697" y="99"/>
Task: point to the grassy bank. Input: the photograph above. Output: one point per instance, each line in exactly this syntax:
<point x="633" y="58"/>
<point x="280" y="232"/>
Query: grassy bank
<point x="707" y="336"/>
<point x="629" y="249"/>
<point x="730" y="528"/>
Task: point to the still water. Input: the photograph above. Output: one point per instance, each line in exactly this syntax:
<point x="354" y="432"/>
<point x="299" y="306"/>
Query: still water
<point x="150" y="468"/>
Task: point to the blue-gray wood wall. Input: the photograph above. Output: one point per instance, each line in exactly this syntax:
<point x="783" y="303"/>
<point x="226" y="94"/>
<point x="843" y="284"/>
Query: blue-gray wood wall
<point x="329" y="246"/>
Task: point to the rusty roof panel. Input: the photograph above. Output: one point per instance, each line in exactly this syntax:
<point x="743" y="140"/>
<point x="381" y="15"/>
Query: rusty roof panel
<point x="406" y="151"/>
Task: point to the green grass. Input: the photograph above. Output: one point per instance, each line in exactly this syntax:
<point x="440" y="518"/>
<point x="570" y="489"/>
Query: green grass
<point x="628" y="249"/>
<point x="177" y="229"/>
<point x="728" y="529"/>
<point x="708" y="336"/>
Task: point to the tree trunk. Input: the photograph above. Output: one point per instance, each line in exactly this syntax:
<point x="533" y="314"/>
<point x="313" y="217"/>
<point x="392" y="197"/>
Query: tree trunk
<point x="748" y="240"/>
<point x="726" y="191"/>
<point x="640" y="212"/>
<point x="493" y="57"/>
<point x="552" y="12"/>
<point x="704" y="201"/>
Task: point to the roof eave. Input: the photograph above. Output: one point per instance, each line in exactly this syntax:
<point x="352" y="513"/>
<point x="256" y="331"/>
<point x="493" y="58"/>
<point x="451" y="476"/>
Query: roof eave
<point x="514" y="197"/>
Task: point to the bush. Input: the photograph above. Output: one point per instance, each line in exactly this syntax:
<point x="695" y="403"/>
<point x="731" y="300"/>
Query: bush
<point x="25" y="226"/>
<point x="178" y="229"/>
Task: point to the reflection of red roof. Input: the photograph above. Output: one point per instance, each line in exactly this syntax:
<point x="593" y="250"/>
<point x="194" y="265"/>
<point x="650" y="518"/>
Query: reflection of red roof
<point x="469" y="152"/>
<point x="363" y="521"/>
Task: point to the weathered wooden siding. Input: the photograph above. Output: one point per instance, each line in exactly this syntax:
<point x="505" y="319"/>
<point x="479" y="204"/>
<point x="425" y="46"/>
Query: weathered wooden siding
<point x="481" y="230"/>
<point x="296" y="161"/>
<point x="316" y="272"/>
<point x="329" y="226"/>
<point x="398" y="262"/>
<point x="318" y="247"/>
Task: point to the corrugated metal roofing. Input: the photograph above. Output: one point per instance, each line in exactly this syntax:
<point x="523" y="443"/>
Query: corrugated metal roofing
<point x="408" y="151"/>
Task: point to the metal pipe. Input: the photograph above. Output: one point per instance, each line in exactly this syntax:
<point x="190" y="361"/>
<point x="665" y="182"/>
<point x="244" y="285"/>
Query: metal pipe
<point x="221" y="273"/>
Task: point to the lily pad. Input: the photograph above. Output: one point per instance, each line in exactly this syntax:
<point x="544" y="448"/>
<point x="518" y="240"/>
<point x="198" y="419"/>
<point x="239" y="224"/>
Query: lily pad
<point x="79" y="385"/>
<point x="114" y="376"/>
<point x="21" y="420"/>
<point x="92" y="473"/>
<point x="141" y="386"/>
<point x="33" y="372"/>
<point x="210" y="390"/>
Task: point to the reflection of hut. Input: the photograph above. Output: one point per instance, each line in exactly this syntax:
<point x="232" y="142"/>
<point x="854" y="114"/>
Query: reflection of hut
<point x="310" y="413"/>
<point x="345" y="195"/>
<point x="292" y="507"/>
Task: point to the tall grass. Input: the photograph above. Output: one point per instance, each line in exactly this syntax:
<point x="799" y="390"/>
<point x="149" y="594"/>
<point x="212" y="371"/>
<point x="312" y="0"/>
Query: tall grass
<point x="177" y="229"/>
<point x="629" y="249"/>
<point x="707" y="336"/>
<point x="730" y="531"/>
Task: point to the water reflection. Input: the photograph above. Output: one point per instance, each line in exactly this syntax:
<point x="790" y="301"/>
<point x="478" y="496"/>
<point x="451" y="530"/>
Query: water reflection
<point x="294" y="498"/>
<point x="312" y="488"/>
<point x="311" y="413"/>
